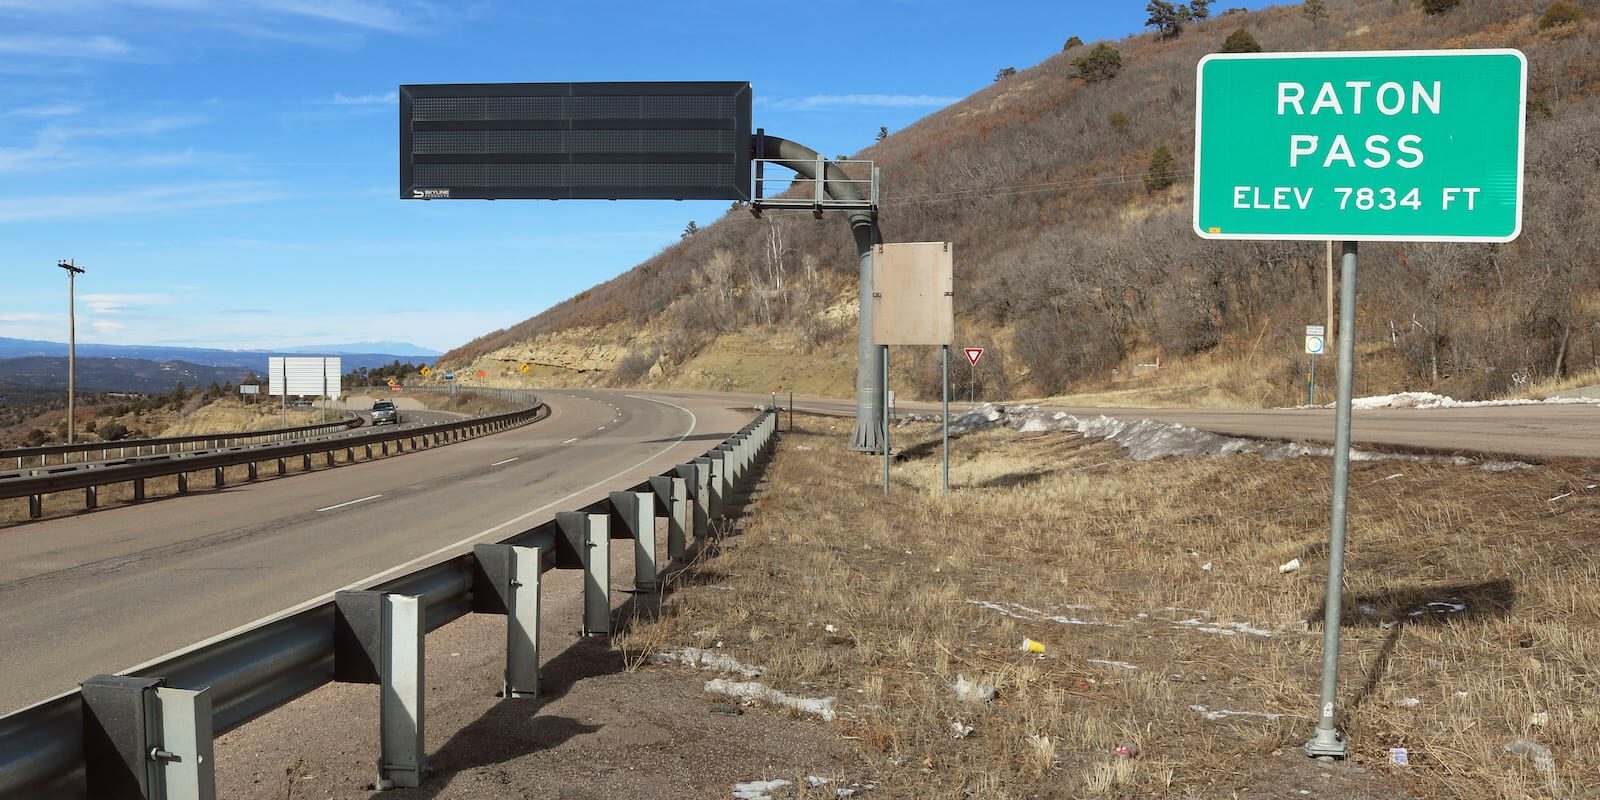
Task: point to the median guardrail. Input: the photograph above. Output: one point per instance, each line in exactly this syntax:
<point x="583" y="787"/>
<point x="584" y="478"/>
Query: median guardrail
<point x="40" y="456"/>
<point x="147" y="733"/>
<point x="43" y="481"/>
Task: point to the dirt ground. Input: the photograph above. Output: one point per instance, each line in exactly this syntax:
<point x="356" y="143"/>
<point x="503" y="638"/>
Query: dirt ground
<point x="1157" y="592"/>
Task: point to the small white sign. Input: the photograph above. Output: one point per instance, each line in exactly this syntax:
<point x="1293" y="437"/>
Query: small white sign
<point x="1315" y="345"/>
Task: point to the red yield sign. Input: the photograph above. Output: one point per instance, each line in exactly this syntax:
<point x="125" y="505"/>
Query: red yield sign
<point x="973" y="354"/>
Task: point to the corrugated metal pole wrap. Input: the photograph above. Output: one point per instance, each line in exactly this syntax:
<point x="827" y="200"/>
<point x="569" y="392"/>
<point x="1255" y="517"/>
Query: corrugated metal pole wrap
<point x="869" y="390"/>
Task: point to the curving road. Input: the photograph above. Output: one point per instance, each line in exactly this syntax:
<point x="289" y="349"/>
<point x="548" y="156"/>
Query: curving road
<point x="105" y="591"/>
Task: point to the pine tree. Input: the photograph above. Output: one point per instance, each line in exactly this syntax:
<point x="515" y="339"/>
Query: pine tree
<point x="1240" y="41"/>
<point x="1163" y="170"/>
<point x="1316" y="11"/>
<point x="1103" y="62"/>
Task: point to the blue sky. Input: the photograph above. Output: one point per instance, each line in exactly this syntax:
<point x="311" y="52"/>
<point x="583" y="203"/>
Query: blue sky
<point x="227" y="171"/>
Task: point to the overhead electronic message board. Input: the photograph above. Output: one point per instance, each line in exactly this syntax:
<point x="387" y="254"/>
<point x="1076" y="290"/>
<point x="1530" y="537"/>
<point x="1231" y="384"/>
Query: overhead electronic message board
<point x="559" y="141"/>
<point x="1404" y="146"/>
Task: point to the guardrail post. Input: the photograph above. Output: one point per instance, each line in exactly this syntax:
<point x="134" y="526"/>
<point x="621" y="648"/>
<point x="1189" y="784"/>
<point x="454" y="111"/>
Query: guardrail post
<point x="588" y="535"/>
<point x="35" y="506"/>
<point x="698" y="477"/>
<point x="91" y="497"/>
<point x="636" y="515"/>
<point x="673" y="493"/>
<point x="383" y="447"/>
<point x="721" y="482"/>
<point x="218" y="478"/>
<point x="282" y="467"/>
<point x="145" y="740"/>
<point x="378" y="638"/>
<point x="138" y="490"/>
<point x="183" y="483"/>
<point x="305" y="463"/>
<point x="369" y="452"/>
<point x="252" y="471"/>
<point x="507" y="582"/>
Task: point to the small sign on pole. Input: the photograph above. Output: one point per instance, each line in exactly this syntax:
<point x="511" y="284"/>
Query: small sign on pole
<point x="1316" y="341"/>
<point x="973" y="354"/>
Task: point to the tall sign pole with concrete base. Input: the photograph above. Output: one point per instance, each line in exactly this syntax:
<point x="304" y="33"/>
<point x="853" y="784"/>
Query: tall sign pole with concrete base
<point x="1349" y="147"/>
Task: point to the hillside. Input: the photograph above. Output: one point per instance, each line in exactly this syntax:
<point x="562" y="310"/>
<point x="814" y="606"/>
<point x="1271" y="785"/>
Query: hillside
<point x="1074" y="269"/>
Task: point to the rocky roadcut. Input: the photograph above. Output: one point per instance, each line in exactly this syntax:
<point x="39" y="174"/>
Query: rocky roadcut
<point x="1074" y="622"/>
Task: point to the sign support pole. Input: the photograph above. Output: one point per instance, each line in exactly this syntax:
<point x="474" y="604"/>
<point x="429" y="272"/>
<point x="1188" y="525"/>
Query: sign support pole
<point x="1329" y="741"/>
<point x="886" y="420"/>
<point x="1311" y="389"/>
<point x="945" y="420"/>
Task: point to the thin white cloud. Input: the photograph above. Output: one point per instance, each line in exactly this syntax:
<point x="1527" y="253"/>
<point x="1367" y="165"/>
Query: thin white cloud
<point x="112" y="304"/>
<point x="49" y="110"/>
<point x="13" y="317"/>
<point x="102" y="47"/>
<point x="149" y="200"/>
<point x="342" y="99"/>
<point x="357" y="13"/>
<point x="106" y="326"/>
<point x="819" y="102"/>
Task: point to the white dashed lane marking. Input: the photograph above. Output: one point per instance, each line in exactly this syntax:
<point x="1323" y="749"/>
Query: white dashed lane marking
<point x="506" y="461"/>
<point x="570" y="441"/>
<point x="351" y="502"/>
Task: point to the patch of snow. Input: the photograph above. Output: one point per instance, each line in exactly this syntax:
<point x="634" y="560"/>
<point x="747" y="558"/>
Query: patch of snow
<point x="1224" y="714"/>
<point x="814" y="781"/>
<point x="751" y="691"/>
<point x="1431" y="400"/>
<point x="998" y="608"/>
<point x="1148" y="439"/>
<point x="1225" y="629"/>
<point x="962" y="729"/>
<point x="705" y="659"/>
<point x="1408" y="702"/>
<point x="758" y="790"/>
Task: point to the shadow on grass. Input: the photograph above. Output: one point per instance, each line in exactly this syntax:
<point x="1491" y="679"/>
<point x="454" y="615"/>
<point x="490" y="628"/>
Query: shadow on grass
<point x="1423" y="605"/>
<point x="513" y="727"/>
<point x="1014" y="479"/>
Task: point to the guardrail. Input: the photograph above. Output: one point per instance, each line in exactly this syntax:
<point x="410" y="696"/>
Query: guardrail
<point x="167" y="444"/>
<point x="35" y="487"/>
<point x="148" y="733"/>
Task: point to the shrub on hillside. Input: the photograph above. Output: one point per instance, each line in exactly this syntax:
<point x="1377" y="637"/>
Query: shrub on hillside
<point x="37" y="437"/>
<point x="113" y="431"/>
<point x="1240" y="41"/>
<point x="1071" y="43"/>
<point x="1438" y="6"/>
<point x="633" y="366"/>
<point x="1163" y="170"/>
<point x="1560" y="12"/>
<point x="1102" y="63"/>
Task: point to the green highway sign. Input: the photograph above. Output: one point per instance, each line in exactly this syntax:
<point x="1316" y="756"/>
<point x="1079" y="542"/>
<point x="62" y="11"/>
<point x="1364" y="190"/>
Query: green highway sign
<point x="1360" y="146"/>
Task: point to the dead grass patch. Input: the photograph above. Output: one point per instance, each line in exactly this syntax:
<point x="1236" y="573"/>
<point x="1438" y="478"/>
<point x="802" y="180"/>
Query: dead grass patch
<point x="1166" y="623"/>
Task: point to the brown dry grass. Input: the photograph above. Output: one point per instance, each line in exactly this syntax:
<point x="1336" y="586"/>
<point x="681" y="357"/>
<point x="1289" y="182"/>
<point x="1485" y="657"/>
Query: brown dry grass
<point x="1101" y="559"/>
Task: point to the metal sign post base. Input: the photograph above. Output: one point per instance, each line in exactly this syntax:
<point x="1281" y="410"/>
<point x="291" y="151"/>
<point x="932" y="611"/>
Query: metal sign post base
<point x="1328" y="740"/>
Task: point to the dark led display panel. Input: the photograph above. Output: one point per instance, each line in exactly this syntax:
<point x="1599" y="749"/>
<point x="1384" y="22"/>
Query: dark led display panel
<point x="573" y="141"/>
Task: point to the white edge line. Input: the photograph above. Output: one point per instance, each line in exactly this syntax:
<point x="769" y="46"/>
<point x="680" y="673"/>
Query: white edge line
<point x="570" y="441"/>
<point x="505" y="461"/>
<point x="694" y="421"/>
<point x="351" y="502"/>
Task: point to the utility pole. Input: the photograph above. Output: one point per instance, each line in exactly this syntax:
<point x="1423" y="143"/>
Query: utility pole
<point x="73" y="271"/>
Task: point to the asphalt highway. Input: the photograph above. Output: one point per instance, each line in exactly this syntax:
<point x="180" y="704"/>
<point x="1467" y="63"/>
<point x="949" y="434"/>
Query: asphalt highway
<point x="104" y="591"/>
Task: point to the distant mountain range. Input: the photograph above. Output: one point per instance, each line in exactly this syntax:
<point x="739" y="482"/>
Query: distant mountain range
<point x="96" y="374"/>
<point x="156" y="370"/>
<point x="354" y="356"/>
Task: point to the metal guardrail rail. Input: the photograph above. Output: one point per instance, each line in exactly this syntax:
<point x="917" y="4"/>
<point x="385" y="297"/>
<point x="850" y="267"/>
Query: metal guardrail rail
<point x="136" y="472"/>
<point x="147" y="733"/>
<point x="167" y="444"/>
